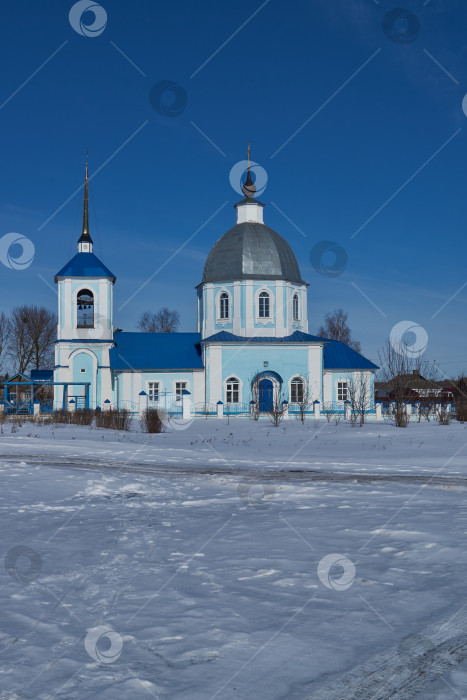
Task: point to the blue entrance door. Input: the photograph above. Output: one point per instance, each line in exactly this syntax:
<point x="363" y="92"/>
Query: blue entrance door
<point x="266" y="399"/>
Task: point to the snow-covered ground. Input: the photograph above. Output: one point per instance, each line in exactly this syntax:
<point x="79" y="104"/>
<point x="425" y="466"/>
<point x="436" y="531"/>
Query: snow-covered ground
<point x="196" y="563"/>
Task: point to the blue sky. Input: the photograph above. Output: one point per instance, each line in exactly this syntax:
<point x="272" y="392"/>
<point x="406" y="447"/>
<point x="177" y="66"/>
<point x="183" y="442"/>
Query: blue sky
<point x="394" y="131"/>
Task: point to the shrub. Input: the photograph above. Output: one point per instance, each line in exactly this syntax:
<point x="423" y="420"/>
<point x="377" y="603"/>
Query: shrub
<point x="444" y="417"/>
<point x="115" y="419"/>
<point x="61" y="416"/>
<point x="82" y="417"/>
<point x="152" y="420"/>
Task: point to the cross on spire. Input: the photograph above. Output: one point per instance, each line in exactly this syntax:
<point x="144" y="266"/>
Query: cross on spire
<point x="85" y="240"/>
<point x="249" y="187"/>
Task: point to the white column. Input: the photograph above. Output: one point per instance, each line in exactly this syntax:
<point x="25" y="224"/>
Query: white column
<point x="106" y="405"/>
<point x="316" y="409"/>
<point x="186" y="405"/>
<point x="285" y="410"/>
<point x="252" y="409"/>
<point x="220" y="409"/>
<point x="378" y="408"/>
<point x="143" y="402"/>
<point x="348" y="410"/>
<point x="408" y="410"/>
<point x="37" y="408"/>
<point x="71" y="405"/>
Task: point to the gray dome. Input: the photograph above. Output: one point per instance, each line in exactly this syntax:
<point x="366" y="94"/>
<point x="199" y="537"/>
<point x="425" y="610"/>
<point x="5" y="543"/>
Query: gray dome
<point x="251" y="251"/>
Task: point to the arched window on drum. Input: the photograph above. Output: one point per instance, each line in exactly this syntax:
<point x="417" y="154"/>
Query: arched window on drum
<point x="295" y="308"/>
<point x="264" y="305"/>
<point x="85" y="310"/>
<point x="224" y="306"/>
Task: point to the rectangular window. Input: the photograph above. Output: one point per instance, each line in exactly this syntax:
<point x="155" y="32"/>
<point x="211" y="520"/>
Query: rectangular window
<point x="153" y="392"/>
<point x="342" y="391"/>
<point x="82" y="371"/>
<point x="180" y="387"/>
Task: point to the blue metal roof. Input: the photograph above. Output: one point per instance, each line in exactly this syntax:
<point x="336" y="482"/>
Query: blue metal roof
<point x="296" y="337"/>
<point x="85" y="265"/>
<point x="337" y="355"/>
<point x="42" y="375"/>
<point x="156" y="351"/>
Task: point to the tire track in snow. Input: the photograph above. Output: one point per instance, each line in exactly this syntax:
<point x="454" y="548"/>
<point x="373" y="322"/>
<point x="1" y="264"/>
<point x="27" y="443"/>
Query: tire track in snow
<point x="273" y="474"/>
<point x="404" y="671"/>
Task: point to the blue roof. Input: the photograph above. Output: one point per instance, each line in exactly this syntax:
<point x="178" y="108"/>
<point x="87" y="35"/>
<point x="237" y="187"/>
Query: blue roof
<point x="337" y="355"/>
<point x="42" y="375"/>
<point x="296" y="337"/>
<point x="156" y="351"/>
<point x="85" y="265"/>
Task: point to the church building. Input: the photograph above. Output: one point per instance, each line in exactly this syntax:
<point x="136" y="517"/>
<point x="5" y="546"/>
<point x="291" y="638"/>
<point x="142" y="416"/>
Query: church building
<point x="251" y="351"/>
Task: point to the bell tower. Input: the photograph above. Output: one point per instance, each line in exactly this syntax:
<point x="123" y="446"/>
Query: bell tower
<point x="85" y="315"/>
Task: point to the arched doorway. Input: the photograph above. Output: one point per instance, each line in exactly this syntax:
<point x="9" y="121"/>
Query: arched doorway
<point x="265" y="395"/>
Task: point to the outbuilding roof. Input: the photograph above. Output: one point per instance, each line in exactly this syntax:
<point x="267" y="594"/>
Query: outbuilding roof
<point x="156" y="351"/>
<point x="85" y="265"/>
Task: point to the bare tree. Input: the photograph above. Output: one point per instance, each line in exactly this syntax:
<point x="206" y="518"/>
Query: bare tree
<point x="276" y="413"/>
<point x="460" y="398"/>
<point x="335" y="327"/>
<point x="31" y="337"/>
<point x="163" y="321"/>
<point x="359" y="395"/>
<point x="4" y="338"/>
<point x="402" y="373"/>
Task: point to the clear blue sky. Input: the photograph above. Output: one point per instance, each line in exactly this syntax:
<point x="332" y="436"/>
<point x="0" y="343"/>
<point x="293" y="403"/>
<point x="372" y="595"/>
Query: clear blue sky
<point x="280" y="68"/>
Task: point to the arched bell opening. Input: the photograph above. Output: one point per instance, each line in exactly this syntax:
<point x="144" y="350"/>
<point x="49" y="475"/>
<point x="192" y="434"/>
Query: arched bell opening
<point x="85" y="309"/>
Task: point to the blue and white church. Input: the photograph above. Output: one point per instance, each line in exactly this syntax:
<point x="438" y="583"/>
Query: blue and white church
<point x="252" y="350"/>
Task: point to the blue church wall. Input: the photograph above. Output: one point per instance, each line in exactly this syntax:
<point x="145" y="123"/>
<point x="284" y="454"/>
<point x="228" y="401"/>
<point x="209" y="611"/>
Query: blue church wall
<point x="287" y="361"/>
<point x="349" y="377"/>
<point x="128" y="385"/>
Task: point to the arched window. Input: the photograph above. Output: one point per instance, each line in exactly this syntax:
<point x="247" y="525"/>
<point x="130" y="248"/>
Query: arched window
<point x="224" y="306"/>
<point x="264" y="305"/>
<point x="296" y="316"/>
<point x="85" y="303"/>
<point x="297" y="390"/>
<point x="232" y="390"/>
